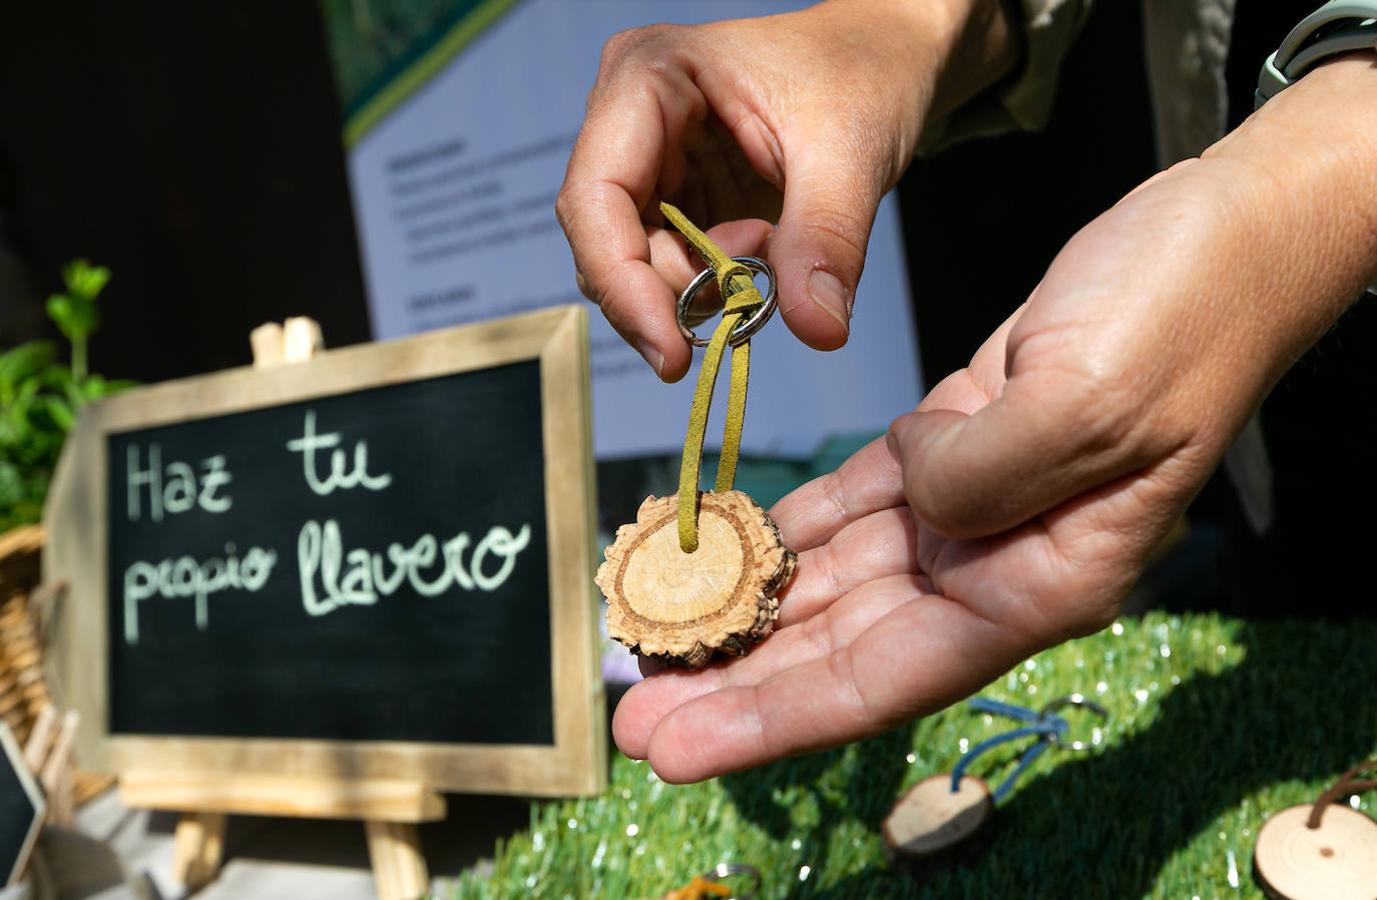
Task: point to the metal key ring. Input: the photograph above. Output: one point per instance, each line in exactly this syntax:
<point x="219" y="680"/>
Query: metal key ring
<point x="745" y="329"/>
<point x="1080" y="701"/>
<point x="727" y="870"/>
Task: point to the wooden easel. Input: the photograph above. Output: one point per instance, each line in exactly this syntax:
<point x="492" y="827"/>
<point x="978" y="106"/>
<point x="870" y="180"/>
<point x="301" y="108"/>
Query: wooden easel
<point x="389" y="809"/>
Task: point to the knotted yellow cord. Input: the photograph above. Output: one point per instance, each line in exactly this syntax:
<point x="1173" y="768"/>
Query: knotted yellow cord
<point x="739" y="296"/>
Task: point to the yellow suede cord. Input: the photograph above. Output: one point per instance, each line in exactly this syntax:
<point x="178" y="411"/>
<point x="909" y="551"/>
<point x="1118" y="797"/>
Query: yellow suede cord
<point x="739" y="296"/>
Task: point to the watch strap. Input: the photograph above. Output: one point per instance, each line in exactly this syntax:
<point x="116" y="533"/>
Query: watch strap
<point x="1337" y="27"/>
<point x="1340" y="26"/>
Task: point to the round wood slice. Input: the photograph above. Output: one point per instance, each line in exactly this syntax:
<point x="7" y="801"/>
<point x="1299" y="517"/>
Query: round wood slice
<point x="931" y="819"/>
<point x="682" y="607"/>
<point x="1336" y="861"/>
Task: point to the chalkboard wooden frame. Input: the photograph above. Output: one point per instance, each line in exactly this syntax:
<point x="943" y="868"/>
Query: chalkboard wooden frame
<point x="77" y="551"/>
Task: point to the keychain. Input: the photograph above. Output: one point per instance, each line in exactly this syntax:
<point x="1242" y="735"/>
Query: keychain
<point x="943" y="811"/>
<point x="1323" y="850"/>
<point x="701" y="572"/>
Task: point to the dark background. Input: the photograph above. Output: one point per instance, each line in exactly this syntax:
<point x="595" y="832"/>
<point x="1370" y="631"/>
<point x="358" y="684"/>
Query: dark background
<point x="460" y="667"/>
<point x="196" y="151"/>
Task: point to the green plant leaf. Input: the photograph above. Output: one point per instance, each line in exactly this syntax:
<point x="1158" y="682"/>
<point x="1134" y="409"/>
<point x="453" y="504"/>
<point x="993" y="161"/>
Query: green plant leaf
<point x="58" y="380"/>
<point x="95" y="387"/>
<point x="23" y="362"/>
<point x="75" y="398"/>
<point x="22" y="401"/>
<point x="40" y="396"/>
<point x="76" y="317"/>
<point x="60" y="411"/>
<point x="11" y="485"/>
<point x="84" y="281"/>
<point x="92" y="387"/>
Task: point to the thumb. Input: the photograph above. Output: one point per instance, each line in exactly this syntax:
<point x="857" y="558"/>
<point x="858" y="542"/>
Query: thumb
<point x="818" y="250"/>
<point x="1039" y="444"/>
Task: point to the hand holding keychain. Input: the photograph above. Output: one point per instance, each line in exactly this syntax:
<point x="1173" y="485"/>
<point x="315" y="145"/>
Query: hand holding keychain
<point x="701" y="572"/>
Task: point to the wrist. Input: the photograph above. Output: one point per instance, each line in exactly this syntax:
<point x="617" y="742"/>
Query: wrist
<point x="1303" y="176"/>
<point x="960" y="47"/>
<point x="984" y="45"/>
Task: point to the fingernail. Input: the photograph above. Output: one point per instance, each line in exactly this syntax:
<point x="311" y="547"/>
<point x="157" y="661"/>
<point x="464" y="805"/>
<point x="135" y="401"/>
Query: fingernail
<point x="652" y="356"/>
<point x="827" y="292"/>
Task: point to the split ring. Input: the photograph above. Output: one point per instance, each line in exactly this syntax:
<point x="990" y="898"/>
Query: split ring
<point x="727" y="870"/>
<point x="748" y="327"/>
<point x="1080" y="701"/>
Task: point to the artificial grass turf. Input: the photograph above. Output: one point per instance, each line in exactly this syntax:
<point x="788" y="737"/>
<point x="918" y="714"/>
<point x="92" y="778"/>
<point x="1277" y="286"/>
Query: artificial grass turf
<point x="1214" y="724"/>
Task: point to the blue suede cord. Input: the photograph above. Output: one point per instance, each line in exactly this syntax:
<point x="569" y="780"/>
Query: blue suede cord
<point x="1045" y="726"/>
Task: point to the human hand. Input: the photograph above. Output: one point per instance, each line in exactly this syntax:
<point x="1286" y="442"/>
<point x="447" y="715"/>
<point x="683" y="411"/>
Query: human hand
<point x="806" y="118"/>
<point x="1016" y="507"/>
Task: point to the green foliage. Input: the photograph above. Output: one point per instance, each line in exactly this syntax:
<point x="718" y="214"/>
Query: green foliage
<point x="75" y="311"/>
<point x="1214" y="724"/>
<point x="370" y="38"/>
<point x="39" y="396"/>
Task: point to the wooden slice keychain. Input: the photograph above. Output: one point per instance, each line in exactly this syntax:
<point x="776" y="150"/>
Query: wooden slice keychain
<point x="700" y="573"/>
<point x="940" y="813"/>
<point x="1324" y="850"/>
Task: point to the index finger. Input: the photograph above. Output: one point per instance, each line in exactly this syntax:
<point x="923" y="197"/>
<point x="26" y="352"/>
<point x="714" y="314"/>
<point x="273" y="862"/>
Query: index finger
<point x="630" y="146"/>
<point x="867" y="482"/>
<point x="924" y="653"/>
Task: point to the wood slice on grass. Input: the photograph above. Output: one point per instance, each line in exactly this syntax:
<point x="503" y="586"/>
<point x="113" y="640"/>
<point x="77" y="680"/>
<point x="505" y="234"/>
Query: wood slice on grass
<point x="1336" y="861"/>
<point x="931" y="819"/>
<point x="682" y="607"/>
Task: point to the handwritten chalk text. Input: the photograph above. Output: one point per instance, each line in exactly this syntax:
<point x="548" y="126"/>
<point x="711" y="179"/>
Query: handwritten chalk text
<point x="310" y="442"/>
<point x="173" y="488"/>
<point x="330" y="576"/>
<point x="361" y="577"/>
<point x="186" y="577"/>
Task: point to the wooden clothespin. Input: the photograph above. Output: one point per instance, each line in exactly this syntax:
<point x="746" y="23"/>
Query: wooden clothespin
<point x="295" y="340"/>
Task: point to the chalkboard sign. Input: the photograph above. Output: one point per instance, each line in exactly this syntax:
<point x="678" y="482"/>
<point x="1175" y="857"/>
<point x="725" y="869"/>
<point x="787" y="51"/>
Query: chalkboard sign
<point x="21" y="808"/>
<point x="377" y="559"/>
<point x="360" y="559"/>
